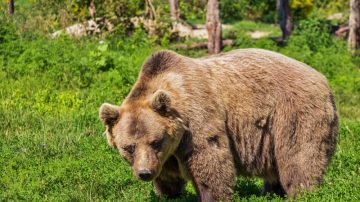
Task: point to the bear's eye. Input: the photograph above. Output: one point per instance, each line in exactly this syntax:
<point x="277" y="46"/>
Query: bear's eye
<point x="129" y="149"/>
<point x="156" y="144"/>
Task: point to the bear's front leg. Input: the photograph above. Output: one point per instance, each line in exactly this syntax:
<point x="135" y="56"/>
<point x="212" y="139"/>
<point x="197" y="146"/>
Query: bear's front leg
<point x="171" y="188"/>
<point x="170" y="183"/>
<point x="213" y="173"/>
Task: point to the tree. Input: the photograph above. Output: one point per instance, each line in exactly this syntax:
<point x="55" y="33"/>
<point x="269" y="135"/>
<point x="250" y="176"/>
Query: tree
<point x="11" y="7"/>
<point x="150" y="9"/>
<point x="92" y="9"/>
<point x="285" y="19"/>
<point x="174" y="10"/>
<point x="213" y="26"/>
<point x="354" y="25"/>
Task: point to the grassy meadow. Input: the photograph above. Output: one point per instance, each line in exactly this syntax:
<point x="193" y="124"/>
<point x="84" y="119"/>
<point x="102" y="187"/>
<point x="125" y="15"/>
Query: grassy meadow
<point x="52" y="146"/>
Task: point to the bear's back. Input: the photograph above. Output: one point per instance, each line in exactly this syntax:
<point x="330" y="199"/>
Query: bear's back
<point x="252" y="73"/>
<point x="246" y="76"/>
<point x="272" y="64"/>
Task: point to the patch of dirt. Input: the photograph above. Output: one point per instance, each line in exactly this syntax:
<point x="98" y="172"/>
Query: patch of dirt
<point x="197" y="31"/>
<point x="258" y="34"/>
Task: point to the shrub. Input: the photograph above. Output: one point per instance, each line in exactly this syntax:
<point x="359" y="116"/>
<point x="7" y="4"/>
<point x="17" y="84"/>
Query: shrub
<point x="251" y="10"/>
<point x="313" y="33"/>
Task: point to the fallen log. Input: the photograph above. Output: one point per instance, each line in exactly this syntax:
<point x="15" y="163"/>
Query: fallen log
<point x="342" y="32"/>
<point x="203" y="45"/>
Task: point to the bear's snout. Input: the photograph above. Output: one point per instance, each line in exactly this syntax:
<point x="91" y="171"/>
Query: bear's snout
<point x="145" y="174"/>
<point x="146" y="163"/>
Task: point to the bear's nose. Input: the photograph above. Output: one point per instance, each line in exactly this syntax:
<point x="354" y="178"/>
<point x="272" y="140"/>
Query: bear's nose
<point x="145" y="174"/>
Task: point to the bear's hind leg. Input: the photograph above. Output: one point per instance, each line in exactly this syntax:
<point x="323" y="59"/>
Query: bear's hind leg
<point x="302" y="166"/>
<point x="295" y="179"/>
<point x="303" y="149"/>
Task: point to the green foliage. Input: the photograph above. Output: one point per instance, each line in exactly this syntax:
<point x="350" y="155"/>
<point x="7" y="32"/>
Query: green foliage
<point x="48" y="16"/>
<point x="234" y="10"/>
<point x="329" y="7"/>
<point x="230" y="10"/>
<point x="301" y="8"/>
<point x="313" y="33"/>
<point x="194" y="11"/>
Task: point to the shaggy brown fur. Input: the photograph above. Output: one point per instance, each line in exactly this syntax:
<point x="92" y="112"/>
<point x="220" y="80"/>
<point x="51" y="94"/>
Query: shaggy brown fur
<point x="247" y="112"/>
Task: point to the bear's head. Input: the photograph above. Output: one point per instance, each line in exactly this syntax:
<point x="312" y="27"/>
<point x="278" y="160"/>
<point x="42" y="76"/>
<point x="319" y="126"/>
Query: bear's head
<point x="146" y="132"/>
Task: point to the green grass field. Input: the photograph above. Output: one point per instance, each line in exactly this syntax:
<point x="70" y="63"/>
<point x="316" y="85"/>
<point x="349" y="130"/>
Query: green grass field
<point x="52" y="146"/>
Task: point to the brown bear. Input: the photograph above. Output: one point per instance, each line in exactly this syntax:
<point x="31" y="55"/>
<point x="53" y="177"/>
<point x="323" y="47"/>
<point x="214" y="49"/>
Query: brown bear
<point x="247" y="112"/>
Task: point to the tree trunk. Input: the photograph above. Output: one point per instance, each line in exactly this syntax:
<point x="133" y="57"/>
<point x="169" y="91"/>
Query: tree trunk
<point x="174" y="10"/>
<point x="354" y="25"/>
<point x="285" y="19"/>
<point x="11" y="7"/>
<point x="150" y="10"/>
<point x="213" y="26"/>
<point x="92" y="9"/>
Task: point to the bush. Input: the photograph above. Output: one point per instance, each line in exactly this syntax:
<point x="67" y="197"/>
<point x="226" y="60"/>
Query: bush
<point x="313" y="33"/>
<point x="329" y="7"/>
<point x="234" y="10"/>
<point x="301" y="8"/>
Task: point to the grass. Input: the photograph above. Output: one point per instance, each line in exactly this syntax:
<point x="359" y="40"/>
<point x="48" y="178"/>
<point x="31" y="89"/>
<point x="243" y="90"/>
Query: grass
<point x="51" y="142"/>
<point x="246" y="26"/>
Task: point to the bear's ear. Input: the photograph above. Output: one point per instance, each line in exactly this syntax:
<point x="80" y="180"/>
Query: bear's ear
<point x="161" y="101"/>
<point x="109" y="114"/>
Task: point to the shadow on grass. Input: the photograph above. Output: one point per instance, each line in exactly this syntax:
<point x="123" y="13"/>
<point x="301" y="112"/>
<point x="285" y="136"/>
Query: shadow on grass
<point x="249" y="189"/>
<point x="245" y="189"/>
<point x="186" y="197"/>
